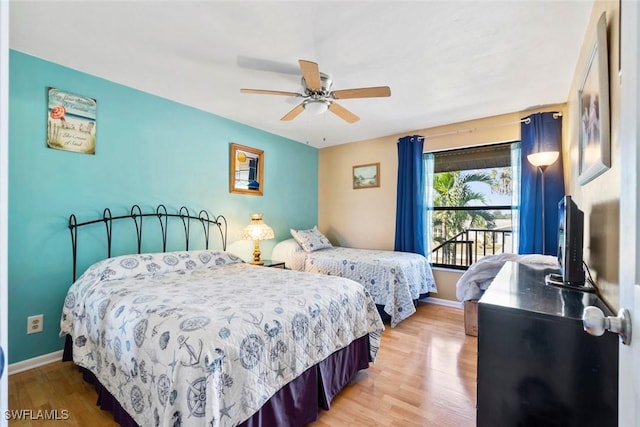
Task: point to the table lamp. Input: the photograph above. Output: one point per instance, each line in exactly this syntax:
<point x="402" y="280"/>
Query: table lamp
<point x="256" y="231"/>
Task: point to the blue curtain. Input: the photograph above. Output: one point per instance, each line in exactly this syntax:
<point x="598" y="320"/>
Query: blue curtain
<point x="410" y="209"/>
<point x="540" y="132"/>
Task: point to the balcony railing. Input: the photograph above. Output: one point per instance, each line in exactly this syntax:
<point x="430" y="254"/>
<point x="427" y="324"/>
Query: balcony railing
<point x="468" y="246"/>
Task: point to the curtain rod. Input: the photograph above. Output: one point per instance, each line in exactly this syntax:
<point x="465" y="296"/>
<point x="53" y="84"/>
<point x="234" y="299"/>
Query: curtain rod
<point x="526" y="120"/>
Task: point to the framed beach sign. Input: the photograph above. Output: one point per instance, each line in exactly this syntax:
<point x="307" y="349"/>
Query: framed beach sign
<point x="594" y="144"/>
<point x="71" y="122"/>
<point x="366" y="176"/>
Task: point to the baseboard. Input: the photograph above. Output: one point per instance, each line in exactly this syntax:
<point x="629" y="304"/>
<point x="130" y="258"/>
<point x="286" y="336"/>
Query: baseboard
<point x="440" y="301"/>
<point x="25" y="365"/>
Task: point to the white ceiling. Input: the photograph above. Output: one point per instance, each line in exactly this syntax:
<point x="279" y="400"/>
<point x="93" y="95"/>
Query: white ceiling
<point x="446" y="61"/>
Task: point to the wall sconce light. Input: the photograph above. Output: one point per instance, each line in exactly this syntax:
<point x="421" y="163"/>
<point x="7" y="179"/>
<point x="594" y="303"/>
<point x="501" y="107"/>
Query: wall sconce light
<point x="256" y="231"/>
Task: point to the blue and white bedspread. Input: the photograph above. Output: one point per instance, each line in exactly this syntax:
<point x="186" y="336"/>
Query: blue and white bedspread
<point x="394" y="279"/>
<point x="201" y="338"/>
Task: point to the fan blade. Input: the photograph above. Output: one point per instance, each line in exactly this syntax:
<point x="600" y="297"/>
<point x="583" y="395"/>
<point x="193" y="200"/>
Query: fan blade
<point x="293" y="113"/>
<point x="363" y="92"/>
<point x="269" y="92"/>
<point x="343" y="113"/>
<point x="311" y="74"/>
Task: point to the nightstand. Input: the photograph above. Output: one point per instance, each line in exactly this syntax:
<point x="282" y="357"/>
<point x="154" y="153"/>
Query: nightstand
<point x="273" y="263"/>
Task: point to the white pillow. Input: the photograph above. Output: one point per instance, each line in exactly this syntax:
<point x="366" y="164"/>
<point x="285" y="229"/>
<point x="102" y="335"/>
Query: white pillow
<point x="284" y="251"/>
<point x="311" y="240"/>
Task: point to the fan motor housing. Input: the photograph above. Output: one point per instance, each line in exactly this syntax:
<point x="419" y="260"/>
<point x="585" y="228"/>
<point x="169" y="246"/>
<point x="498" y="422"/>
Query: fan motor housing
<point x="325" y="82"/>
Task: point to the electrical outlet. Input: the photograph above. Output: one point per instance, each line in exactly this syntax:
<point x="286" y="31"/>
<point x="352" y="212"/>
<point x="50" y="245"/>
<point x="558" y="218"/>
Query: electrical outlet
<point x="35" y="323"/>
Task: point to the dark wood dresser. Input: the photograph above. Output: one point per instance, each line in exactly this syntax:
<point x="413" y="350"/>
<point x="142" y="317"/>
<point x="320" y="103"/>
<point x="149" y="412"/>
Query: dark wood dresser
<point x="536" y="365"/>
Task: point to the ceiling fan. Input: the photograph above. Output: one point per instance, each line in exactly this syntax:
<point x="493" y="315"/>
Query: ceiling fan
<point x="318" y="96"/>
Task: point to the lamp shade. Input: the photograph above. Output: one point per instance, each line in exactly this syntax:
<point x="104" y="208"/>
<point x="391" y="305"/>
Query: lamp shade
<point x="316" y="107"/>
<point x="257" y="230"/>
<point x="544" y="158"/>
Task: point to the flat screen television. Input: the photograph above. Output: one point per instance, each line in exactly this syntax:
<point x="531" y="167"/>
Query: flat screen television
<point x="570" y="241"/>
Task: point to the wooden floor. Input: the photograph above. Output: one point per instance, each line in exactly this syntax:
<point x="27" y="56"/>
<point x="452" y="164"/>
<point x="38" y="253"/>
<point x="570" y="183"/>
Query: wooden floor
<point x="425" y="375"/>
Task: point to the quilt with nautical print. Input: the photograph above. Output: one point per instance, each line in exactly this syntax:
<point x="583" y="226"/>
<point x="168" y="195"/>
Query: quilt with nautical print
<point x="201" y="338"/>
<point x="394" y="279"/>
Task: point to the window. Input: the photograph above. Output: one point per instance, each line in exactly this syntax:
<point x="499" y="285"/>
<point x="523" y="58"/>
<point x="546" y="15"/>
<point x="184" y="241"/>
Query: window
<point x="472" y="203"/>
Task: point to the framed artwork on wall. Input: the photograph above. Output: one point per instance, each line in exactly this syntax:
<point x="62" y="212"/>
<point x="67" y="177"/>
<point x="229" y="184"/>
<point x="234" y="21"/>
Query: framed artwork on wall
<point x="71" y="122"/>
<point x="366" y="176"/>
<point x="246" y="170"/>
<point x="594" y="144"/>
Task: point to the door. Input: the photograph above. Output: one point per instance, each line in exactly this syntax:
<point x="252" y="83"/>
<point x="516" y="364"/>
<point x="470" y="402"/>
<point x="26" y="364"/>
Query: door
<point x="629" y="137"/>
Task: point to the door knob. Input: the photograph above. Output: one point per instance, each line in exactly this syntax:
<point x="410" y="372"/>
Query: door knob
<point x="595" y="323"/>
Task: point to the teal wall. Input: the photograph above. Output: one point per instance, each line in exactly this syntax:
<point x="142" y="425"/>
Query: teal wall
<point x="148" y="151"/>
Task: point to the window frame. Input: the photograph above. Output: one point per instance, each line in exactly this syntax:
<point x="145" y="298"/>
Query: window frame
<point x="481" y="152"/>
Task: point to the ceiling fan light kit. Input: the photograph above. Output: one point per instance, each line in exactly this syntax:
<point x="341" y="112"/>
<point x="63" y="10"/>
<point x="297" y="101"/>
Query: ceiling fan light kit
<point x="316" y="107"/>
<point x="318" y="96"/>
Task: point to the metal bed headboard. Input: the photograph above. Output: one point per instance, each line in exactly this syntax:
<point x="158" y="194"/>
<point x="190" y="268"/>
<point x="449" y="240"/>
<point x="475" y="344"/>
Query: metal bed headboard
<point x="163" y="216"/>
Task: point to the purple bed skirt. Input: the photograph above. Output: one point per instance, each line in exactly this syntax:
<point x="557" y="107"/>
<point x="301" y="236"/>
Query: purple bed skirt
<point x="294" y="405"/>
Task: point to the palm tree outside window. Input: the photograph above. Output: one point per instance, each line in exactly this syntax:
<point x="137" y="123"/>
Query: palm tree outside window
<point x="472" y="203"/>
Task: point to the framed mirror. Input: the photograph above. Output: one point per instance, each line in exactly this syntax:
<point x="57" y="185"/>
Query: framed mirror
<point x="246" y="170"/>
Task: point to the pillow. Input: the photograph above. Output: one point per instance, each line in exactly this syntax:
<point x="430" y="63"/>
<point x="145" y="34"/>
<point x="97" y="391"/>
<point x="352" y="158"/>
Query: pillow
<point x="311" y="240"/>
<point x="138" y="265"/>
<point x="285" y="250"/>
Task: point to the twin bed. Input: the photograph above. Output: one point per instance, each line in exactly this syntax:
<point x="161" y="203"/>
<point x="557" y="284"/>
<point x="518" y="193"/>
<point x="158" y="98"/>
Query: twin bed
<point x="395" y="280"/>
<point x="200" y="338"/>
